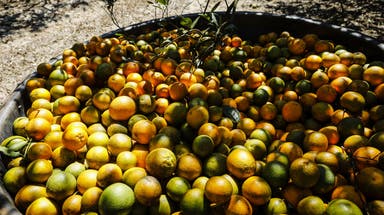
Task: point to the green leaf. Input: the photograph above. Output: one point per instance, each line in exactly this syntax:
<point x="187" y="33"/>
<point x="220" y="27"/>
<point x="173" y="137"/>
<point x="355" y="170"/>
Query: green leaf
<point x="186" y="22"/>
<point x="163" y="2"/>
<point x="215" y="6"/>
<point x="194" y="23"/>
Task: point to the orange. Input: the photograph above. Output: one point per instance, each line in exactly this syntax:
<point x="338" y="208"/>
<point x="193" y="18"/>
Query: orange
<point x="315" y="141"/>
<point x="375" y="207"/>
<point x="238" y="204"/>
<point x="198" y="90"/>
<point x="98" y="138"/>
<point x="175" y="113"/>
<point x="86" y="180"/>
<point x="42" y="205"/>
<point x="108" y="174"/>
<point x="352" y="101"/>
<point x="122" y="108"/>
<point x="218" y="190"/>
<point x="311" y="205"/>
<point x="14" y="179"/>
<point x="116" y="198"/>
<point x="189" y="166"/>
<point x="304" y="173"/>
<point x="256" y="190"/>
<point x="90" y="198"/>
<point x="293" y="193"/>
<point x="322" y="111"/>
<point x="319" y="78"/>
<point x="177" y="91"/>
<point x="203" y="145"/>
<point x="68" y="118"/>
<point x="67" y="104"/>
<point x="341" y="84"/>
<point x="292" y="111"/>
<point x="39" y="150"/>
<point x="337" y="70"/>
<point x="132" y="175"/>
<point x="268" y="111"/>
<point x="353" y="142"/>
<point x="331" y="133"/>
<point x="257" y="148"/>
<point x="147" y="190"/>
<point x="215" y="165"/>
<point x="241" y="163"/>
<point x="126" y="160"/>
<point x="62" y="157"/>
<point x="74" y="138"/>
<point x="140" y="151"/>
<point x="211" y="130"/>
<point x="72" y="205"/>
<point x="83" y="93"/>
<point x="41" y="113"/>
<point x="194" y="202"/>
<point x="313" y="62"/>
<point x="71" y="84"/>
<point x="374" y="75"/>
<point x="90" y="115"/>
<point x="297" y="46"/>
<point x="342" y="206"/>
<point x="118" y="143"/>
<point x="197" y="116"/>
<point x="39" y="170"/>
<point x="143" y="131"/>
<point x="350" y="193"/>
<point x="60" y="185"/>
<point x="160" y="162"/>
<point x="328" y="158"/>
<point x="27" y="194"/>
<point x="291" y="150"/>
<point x="326" y="93"/>
<point x="176" y="187"/>
<point x="168" y="66"/>
<point x="38" y="128"/>
<point x="366" y="156"/>
<point x="275" y="173"/>
<point x="39" y="93"/>
<point x="75" y="168"/>
<point x="97" y="156"/>
<point x="326" y="181"/>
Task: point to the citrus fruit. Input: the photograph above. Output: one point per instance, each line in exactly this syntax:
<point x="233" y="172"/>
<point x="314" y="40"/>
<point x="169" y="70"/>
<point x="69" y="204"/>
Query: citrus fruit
<point x="147" y="190"/>
<point x="176" y="187"/>
<point x="342" y="206"/>
<point x="117" y="198"/>
<point x="72" y="205"/>
<point x="218" y="190"/>
<point x="60" y="185"/>
<point x="39" y="170"/>
<point x="194" y="202"/>
<point x="161" y="162"/>
<point x="241" y="163"/>
<point x="42" y="205"/>
<point x="108" y="174"/>
<point x="313" y="205"/>
<point x="132" y="175"/>
<point x="256" y="190"/>
<point x="304" y="172"/>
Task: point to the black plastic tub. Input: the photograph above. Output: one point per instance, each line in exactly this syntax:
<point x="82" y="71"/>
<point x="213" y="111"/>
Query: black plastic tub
<point x="250" y="25"/>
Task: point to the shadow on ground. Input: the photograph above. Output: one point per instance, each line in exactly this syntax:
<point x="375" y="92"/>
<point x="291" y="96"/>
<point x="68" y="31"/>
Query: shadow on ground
<point x="360" y="15"/>
<point x="32" y="14"/>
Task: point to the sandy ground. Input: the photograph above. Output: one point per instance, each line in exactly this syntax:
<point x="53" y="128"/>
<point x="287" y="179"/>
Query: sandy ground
<point x="34" y="31"/>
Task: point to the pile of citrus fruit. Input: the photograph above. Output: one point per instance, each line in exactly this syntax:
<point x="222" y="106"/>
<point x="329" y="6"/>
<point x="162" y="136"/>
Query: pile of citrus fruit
<point x="153" y="124"/>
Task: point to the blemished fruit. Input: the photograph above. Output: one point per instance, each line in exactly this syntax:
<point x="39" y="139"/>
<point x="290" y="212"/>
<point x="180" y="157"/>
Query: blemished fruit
<point x="187" y="121"/>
